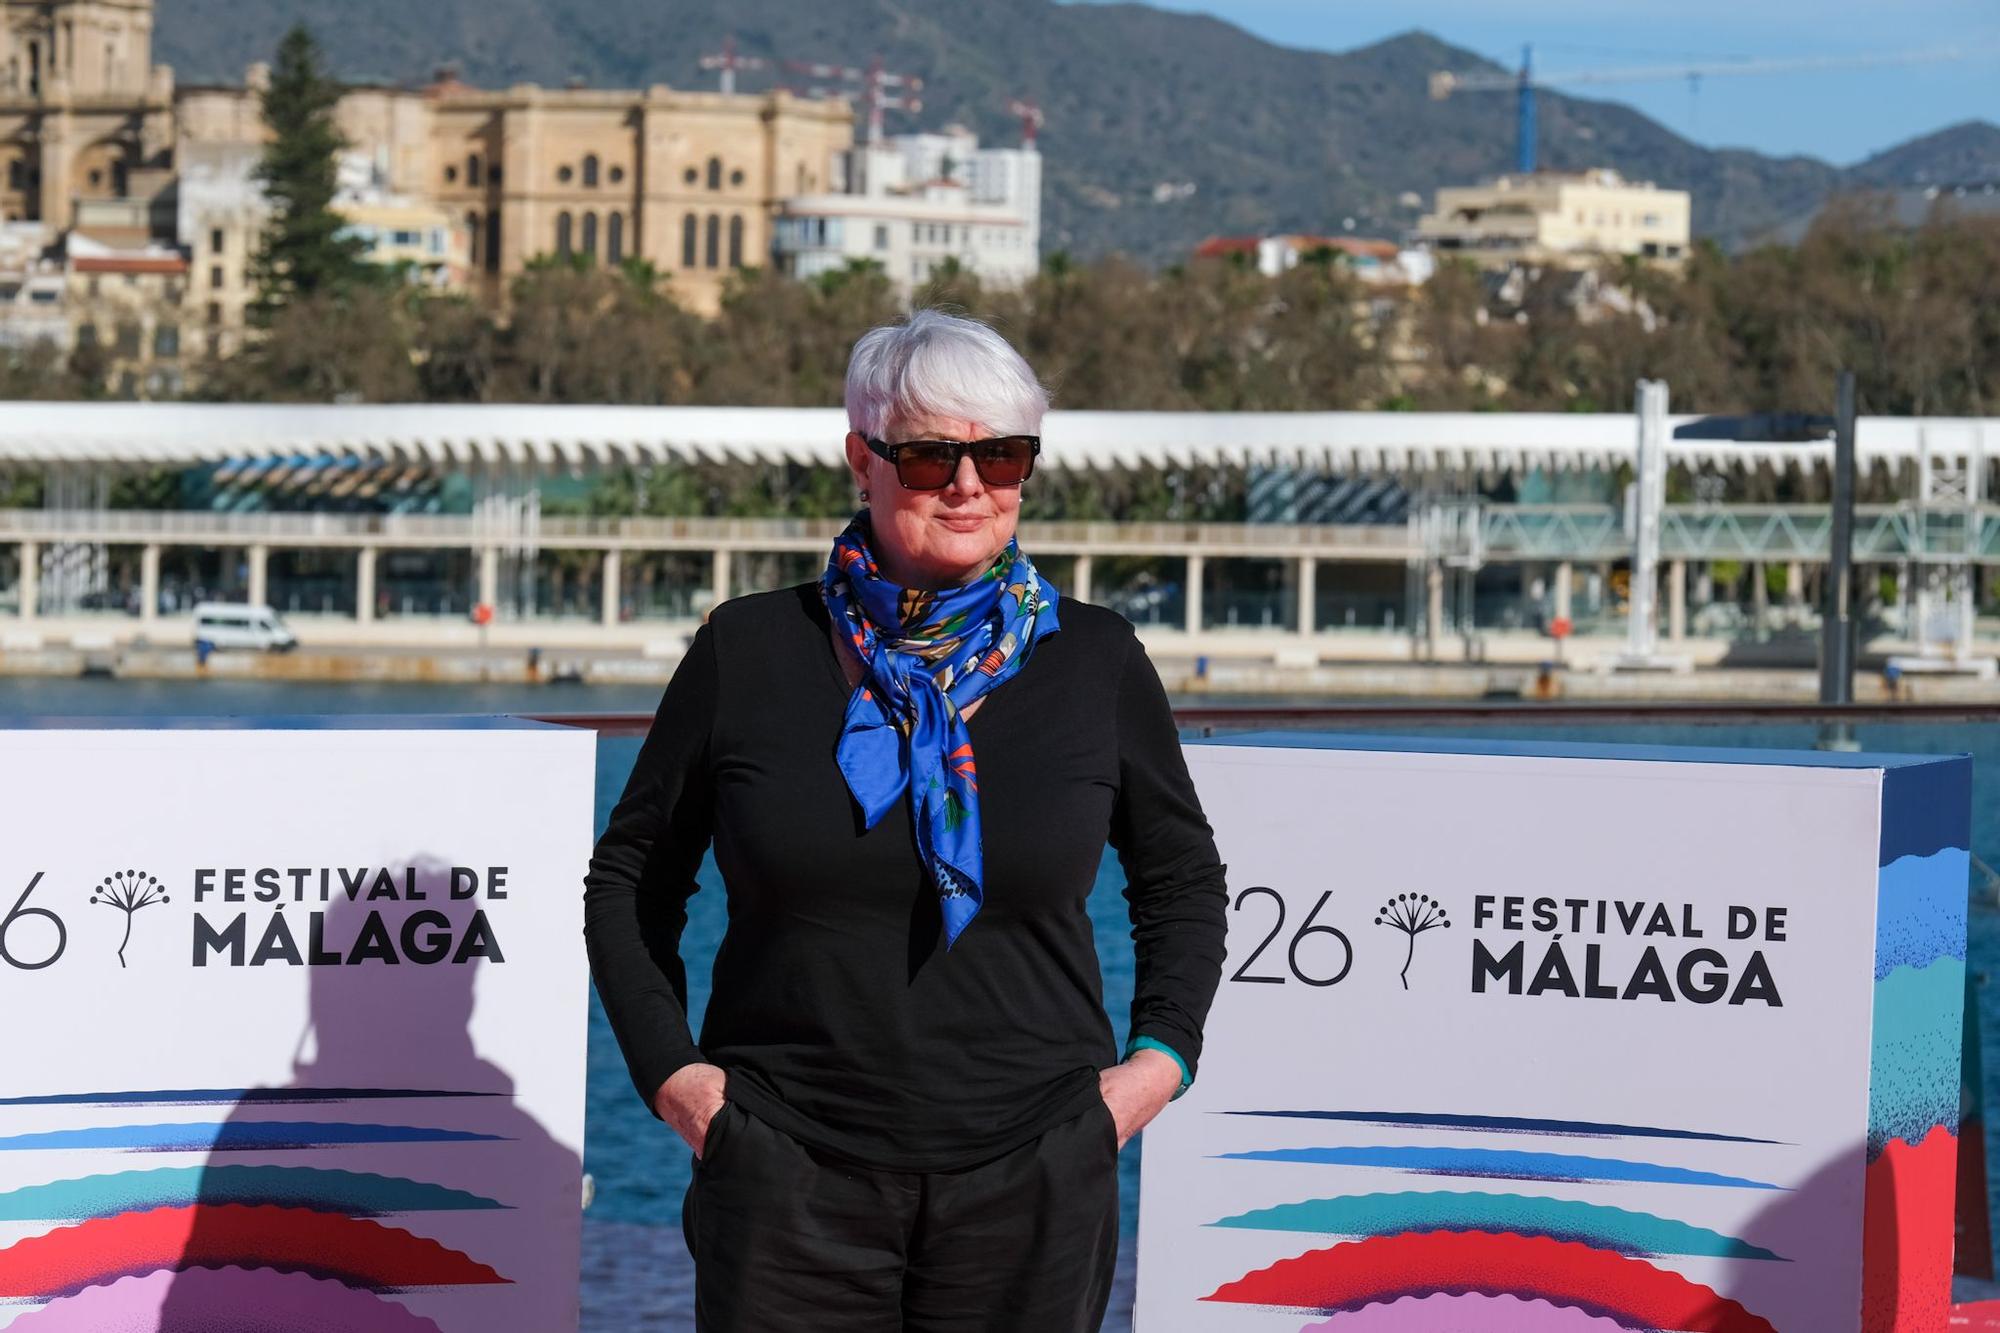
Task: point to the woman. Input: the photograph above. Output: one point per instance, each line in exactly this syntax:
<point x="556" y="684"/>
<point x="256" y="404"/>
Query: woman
<point x="904" y="1105"/>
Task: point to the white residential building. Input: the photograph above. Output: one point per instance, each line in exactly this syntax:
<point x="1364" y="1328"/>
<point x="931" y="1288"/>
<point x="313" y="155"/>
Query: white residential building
<point x="915" y="201"/>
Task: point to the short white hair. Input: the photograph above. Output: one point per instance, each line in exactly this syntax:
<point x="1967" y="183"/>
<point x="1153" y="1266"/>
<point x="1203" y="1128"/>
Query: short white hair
<point x="938" y="365"/>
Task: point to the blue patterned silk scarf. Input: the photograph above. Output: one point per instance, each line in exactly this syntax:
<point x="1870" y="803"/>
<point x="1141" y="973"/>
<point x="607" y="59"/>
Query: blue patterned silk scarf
<point x="928" y="656"/>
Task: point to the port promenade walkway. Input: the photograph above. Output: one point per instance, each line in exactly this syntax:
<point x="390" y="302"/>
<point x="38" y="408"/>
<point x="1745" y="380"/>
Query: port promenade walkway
<point x="1294" y="591"/>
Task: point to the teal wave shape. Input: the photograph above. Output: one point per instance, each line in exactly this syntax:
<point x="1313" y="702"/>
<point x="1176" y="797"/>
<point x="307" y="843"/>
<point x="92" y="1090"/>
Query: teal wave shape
<point x="1603" y="1228"/>
<point x="1920" y="910"/>
<point x="1913" y="1066"/>
<point x="354" y="1193"/>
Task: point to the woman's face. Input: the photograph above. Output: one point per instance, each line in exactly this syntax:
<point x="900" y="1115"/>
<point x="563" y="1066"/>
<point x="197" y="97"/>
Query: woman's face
<point x="934" y="539"/>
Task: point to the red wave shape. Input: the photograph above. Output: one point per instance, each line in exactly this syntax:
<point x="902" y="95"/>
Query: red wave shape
<point x="1383" y="1268"/>
<point x="1906" y="1235"/>
<point x="353" y="1250"/>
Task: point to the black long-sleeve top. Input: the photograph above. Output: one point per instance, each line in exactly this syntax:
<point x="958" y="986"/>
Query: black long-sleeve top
<point x="836" y="1010"/>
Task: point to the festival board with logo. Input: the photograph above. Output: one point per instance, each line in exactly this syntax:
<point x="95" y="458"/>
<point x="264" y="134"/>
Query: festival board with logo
<point x="1569" y="1039"/>
<point x="294" y="1021"/>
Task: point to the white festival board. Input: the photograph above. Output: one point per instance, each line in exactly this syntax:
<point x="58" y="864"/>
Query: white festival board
<point x="292" y="1023"/>
<point x="1518" y="1038"/>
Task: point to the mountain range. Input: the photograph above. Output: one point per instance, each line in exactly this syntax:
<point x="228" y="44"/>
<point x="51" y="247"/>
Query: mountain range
<point x="1161" y="127"/>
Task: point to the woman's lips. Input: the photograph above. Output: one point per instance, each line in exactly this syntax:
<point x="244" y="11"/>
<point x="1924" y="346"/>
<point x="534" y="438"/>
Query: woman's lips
<point x="964" y="522"/>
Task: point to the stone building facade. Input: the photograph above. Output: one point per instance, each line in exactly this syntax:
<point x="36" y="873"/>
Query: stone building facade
<point x="83" y="110"/>
<point x="688" y="181"/>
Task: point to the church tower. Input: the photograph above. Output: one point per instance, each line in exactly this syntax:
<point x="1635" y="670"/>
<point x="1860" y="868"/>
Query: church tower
<point x="81" y="106"/>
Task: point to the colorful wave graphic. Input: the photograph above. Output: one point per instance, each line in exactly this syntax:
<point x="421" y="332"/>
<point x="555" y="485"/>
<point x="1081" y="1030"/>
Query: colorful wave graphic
<point x="1920" y="906"/>
<point x="1501" y="1164"/>
<point x="1356" y="1274"/>
<point x="1914" y="1076"/>
<point x="1505" y="1124"/>
<point x="352" y="1250"/>
<point x="1470" y="1313"/>
<point x="1617" y="1230"/>
<point x="354" y="1193"/>
<point x="222" y="1300"/>
<point x="234" y="1096"/>
<point x="1907" y="1233"/>
<point x="233" y="1136"/>
<point x="1913" y="1082"/>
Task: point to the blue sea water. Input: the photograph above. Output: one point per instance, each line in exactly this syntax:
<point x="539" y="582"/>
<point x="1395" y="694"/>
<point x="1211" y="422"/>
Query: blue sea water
<point x="639" y="1166"/>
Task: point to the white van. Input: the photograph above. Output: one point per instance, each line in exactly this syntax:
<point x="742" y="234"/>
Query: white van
<point x="240" y="625"/>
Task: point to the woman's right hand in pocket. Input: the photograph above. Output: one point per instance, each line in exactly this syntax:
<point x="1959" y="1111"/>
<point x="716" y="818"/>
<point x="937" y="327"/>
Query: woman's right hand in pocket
<point x="690" y="1099"/>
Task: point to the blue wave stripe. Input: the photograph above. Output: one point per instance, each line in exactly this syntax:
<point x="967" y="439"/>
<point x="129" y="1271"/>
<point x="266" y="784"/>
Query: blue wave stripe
<point x="1926" y="806"/>
<point x="232" y="1096"/>
<point x="231" y="1136"/>
<point x="1506" y="1124"/>
<point x="1920" y="910"/>
<point x="1620" y="1230"/>
<point x="1913" y="1081"/>
<point x="355" y="1194"/>
<point x="1500" y="1164"/>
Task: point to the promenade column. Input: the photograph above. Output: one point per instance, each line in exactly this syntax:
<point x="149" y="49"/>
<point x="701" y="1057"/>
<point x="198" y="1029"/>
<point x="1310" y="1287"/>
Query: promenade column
<point x="149" y="583"/>
<point x="1079" y="579"/>
<point x="1197" y="567"/>
<point x="258" y="557"/>
<point x="1308" y="593"/>
<point x="1760" y="596"/>
<point x="489" y="577"/>
<point x="364" y="585"/>
<point x="611" y="579"/>
<point x="1562" y="591"/>
<point x="1434" y="607"/>
<point x="1795" y="582"/>
<point x="30" y="582"/>
<point x="1677" y="600"/>
<point x="719" y="576"/>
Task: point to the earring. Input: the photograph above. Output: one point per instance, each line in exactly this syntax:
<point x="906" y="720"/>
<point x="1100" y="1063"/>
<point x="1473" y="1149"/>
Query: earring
<point x="864" y="497"/>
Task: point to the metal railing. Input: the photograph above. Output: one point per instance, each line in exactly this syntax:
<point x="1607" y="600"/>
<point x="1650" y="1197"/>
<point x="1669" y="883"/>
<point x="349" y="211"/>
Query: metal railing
<point x="1502" y="534"/>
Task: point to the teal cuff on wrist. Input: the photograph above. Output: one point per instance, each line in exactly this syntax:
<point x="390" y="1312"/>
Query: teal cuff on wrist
<point x="1138" y="1044"/>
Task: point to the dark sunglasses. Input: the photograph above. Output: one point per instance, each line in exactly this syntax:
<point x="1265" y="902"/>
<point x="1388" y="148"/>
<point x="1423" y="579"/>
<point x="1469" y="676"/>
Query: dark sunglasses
<point x="929" y="465"/>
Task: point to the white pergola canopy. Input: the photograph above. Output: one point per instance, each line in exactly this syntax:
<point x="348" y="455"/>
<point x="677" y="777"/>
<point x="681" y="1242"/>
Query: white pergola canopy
<point x="544" y="438"/>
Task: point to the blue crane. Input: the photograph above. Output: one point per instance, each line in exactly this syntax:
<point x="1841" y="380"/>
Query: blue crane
<point x="1524" y="82"/>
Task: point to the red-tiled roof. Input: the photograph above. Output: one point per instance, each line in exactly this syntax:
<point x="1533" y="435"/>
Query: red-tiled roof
<point x="130" y="264"/>
<point x="1215" y="247"/>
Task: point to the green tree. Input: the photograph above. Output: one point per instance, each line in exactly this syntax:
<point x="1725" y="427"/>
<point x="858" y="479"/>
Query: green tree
<point x="301" y="251"/>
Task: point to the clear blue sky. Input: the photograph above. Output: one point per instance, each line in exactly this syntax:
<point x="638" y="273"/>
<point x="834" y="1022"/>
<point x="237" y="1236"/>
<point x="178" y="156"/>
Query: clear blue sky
<point x="1841" y="116"/>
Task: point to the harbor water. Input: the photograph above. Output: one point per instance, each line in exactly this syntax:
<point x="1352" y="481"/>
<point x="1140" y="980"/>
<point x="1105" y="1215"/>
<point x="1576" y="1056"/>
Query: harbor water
<point x="636" y="1272"/>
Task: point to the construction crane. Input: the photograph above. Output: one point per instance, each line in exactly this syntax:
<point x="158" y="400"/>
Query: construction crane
<point x="1525" y="81"/>
<point x="874" y="84"/>
<point x="729" y="62"/>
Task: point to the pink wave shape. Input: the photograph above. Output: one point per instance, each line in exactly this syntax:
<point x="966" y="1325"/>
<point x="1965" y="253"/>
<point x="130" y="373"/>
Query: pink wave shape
<point x="222" y="1300"/>
<point x="1470" y="1313"/>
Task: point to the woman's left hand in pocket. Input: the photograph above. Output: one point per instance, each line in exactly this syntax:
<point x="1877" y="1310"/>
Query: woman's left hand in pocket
<point x="1138" y="1090"/>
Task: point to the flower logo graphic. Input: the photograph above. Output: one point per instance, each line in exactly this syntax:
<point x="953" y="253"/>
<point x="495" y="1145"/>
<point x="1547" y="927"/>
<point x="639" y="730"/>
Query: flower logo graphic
<point x="128" y="891"/>
<point x="1413" y="914"/>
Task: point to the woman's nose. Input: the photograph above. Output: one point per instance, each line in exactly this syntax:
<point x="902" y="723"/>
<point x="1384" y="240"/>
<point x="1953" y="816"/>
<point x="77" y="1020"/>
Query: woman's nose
<point x="965" y="481"/>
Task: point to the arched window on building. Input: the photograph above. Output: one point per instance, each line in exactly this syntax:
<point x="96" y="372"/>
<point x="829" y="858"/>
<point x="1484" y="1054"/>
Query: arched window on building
<point x="472" y="169"/>
<point x="736" y="241"/>
<point x="614" y="238"/>
<point x="590" y="235"/>
<point x="472" y="232"/>
<point x="715" y="173"/>
<point x="712" y="252"/>
<point x="590" y="169"/>
<point x="562" y="235"/>
<point x="689" y="228"/>
<point x="493" y="241"/>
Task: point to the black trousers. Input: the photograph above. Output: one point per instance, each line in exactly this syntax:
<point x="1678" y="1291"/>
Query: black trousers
<point x="784" y="1237"/>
